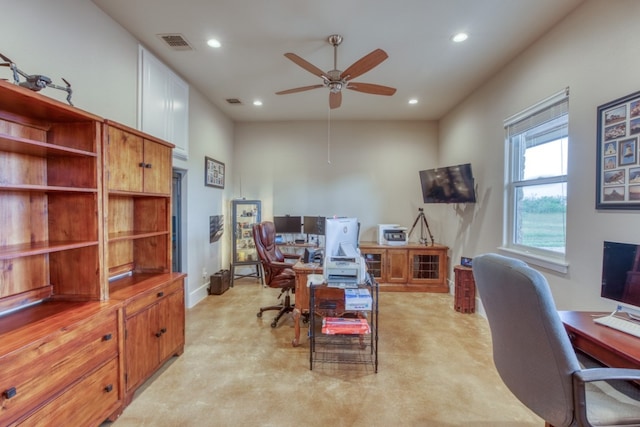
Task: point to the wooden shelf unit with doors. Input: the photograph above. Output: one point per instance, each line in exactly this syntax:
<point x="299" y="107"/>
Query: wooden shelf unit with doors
<point x="59" y="336"/>
<point x="407" y="268"/>
<point x="138" y="233"/>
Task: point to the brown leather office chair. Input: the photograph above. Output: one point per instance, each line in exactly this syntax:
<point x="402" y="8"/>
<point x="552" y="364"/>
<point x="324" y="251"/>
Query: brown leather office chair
<point x="277" y="272"/>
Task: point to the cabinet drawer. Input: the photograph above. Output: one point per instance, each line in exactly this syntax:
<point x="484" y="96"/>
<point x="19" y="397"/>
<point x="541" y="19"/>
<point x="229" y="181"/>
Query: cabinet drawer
<point x="153" y="295"/>
<point x="42" y="369"/>
<point x="87" y="403"/>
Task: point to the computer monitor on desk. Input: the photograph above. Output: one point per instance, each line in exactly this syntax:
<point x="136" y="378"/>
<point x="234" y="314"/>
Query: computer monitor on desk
<point x="343" y="264"/>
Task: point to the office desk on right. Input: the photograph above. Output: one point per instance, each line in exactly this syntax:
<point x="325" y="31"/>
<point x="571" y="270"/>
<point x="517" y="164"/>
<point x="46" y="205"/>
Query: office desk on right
<point x="610" y="347"/>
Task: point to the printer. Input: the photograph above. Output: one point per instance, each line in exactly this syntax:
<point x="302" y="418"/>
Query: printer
<point x="346" y="270"/>
<point x="392" y="235"/>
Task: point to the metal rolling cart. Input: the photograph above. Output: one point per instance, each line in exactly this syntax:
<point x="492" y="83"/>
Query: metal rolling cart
<point x="327" y="304"/>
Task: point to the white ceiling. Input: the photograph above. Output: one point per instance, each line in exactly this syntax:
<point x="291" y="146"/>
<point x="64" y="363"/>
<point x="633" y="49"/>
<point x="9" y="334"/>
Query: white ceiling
<point x="423" y="62"/>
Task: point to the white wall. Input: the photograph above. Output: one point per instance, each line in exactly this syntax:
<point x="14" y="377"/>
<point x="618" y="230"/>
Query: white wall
<point x="374" y="165"/>
<point x="74" y="39"/>
<point x="365" y="169"/>
<point x="594" y="51"/>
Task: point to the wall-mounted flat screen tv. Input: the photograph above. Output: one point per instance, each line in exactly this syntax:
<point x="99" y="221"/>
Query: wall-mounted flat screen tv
<point x="451" y="184"/>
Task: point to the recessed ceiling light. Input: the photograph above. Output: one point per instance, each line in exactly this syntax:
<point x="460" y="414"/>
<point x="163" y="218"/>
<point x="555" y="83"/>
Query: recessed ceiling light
<point x="460" y="37"/>
<point x="257" y="103"/>
<point x="213" y="43"/>
<point x="413" y="101"/>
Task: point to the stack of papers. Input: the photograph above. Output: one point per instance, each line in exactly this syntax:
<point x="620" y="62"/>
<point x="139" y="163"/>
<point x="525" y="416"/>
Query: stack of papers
<point x="357" y="299"/>
<point x="315" y="279"/>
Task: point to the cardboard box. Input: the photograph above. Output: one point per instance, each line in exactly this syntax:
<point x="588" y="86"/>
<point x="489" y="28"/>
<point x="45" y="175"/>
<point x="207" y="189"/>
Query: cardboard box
<point x="357" y="299"/>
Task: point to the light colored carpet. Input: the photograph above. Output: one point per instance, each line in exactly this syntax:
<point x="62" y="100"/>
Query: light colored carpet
<point x="435" y="369"/>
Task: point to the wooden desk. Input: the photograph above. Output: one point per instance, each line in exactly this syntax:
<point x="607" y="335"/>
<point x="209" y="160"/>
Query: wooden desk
<point x="302" y="270"/>
<point x="610" y="347"/>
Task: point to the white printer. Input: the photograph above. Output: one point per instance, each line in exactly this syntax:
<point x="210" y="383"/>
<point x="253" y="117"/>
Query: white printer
<point x="345" y="270"/>
<point x="392" y="235"/>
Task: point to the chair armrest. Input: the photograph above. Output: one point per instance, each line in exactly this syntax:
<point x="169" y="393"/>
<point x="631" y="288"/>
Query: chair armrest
<point x="581" y="378"/>
<point x="602" y="374"/>
<point x="279" y="265"/>
<point x="291" y="256"/>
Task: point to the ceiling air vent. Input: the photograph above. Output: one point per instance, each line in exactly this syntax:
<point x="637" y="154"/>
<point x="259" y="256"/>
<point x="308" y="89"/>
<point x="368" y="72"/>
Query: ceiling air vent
<point x="176" y="41"/>
<point x="234" y="101"/>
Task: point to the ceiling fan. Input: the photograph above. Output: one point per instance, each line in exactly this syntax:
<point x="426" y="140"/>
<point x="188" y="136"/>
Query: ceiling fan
<point x="337" y="80"/>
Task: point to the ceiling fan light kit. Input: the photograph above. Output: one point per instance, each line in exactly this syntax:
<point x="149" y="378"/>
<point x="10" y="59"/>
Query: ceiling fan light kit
<point x="336" y="80"/>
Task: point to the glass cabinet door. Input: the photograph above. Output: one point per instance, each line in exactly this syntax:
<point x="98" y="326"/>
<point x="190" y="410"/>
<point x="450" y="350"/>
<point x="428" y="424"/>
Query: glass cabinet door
<point x="246" y="213"/>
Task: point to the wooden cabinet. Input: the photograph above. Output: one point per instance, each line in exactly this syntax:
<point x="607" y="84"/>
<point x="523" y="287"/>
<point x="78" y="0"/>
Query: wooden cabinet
<point x="387" y="266"/>
<point x="48" y="349"/>
<point x="465" y="289"/>
<point x="76" y="212"/>
<point x="137" y="162"/>
<point x="138" y="255"/>
<point x="412" y="267"/>
<point x="428" y="268"/>
<point x="138" y="184"/>
<point x="154" y="323"/>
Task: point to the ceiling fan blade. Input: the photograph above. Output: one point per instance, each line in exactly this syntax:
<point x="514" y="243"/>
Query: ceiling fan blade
<point x="364" y="64"/>
<point x="306" y="65"/>
<point x="335" y="99"/>
<point x="298" y="89"/>
<point x="371" y="88"/>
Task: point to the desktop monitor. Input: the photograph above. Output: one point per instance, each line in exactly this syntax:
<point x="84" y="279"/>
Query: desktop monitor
<point x="314" y="225"/>
<point x="288" y="224"/>
<point x="341" y="237"/>
<point x="621" y="273"/>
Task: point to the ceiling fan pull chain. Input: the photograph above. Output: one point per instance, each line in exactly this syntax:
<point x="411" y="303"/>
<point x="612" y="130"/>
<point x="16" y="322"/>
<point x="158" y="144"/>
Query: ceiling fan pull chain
<point x="329" y="136"/>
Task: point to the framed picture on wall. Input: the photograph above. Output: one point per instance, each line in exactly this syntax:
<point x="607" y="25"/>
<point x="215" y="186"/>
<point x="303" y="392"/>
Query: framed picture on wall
<point x="618" y="167"/>
<point x="213" y="173"/>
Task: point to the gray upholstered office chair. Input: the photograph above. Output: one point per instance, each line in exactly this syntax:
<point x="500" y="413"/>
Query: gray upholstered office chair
<point x="533" y="354"/>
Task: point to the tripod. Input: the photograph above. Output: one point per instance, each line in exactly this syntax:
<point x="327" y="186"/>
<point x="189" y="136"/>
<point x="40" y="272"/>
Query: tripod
<point x="423" y="224"/>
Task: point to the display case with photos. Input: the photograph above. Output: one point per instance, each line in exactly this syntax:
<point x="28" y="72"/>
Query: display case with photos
<point x="245" y="261"/>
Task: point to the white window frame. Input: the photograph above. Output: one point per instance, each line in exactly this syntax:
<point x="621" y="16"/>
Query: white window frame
<point x="555" y="261"/>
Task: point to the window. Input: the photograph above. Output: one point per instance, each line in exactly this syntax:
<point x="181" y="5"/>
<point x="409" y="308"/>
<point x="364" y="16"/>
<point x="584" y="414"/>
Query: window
<point x="536" y="191"/>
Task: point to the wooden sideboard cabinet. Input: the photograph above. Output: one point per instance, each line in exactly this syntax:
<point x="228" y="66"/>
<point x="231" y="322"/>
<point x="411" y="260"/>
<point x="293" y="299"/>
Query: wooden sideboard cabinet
<point x="411" y="267"/>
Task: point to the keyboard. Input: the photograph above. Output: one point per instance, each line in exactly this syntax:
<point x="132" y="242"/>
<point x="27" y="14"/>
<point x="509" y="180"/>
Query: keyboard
<point x="627" y="326"/>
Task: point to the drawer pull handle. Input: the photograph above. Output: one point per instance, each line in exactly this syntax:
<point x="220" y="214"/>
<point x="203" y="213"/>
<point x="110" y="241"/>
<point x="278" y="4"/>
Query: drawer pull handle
<point x="108" y="388"/>
<point x="160" y="294"/>
<point x="107" y="337"/>
<point x="158" y="334"/>
<point x="142" y="164"/>
<point x="163" y="330"/>
<point x="148" y="166"/>
<point x="9" y="393"/>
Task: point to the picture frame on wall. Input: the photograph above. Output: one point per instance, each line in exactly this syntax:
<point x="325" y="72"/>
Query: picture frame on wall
<point x="213" y="173"/>
<point x="618" y="166"/>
